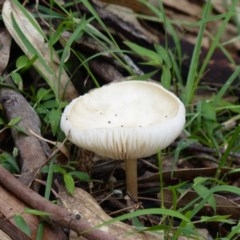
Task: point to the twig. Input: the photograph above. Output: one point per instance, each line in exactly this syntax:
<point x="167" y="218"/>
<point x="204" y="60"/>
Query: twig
<point x="57" y="215"/>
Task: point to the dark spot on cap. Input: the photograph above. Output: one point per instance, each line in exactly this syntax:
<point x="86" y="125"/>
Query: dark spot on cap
<point x="109" y="121"/>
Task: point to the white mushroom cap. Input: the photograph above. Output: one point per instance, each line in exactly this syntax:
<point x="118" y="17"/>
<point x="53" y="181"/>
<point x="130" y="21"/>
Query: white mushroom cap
<point x="124" y="120"/>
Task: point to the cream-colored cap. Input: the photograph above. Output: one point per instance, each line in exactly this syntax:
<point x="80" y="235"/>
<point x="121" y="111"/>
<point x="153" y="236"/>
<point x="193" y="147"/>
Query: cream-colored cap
<point x="124" y="120"/>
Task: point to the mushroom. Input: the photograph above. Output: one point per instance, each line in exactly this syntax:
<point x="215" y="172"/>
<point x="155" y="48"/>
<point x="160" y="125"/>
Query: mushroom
<point x="125" y="120"/>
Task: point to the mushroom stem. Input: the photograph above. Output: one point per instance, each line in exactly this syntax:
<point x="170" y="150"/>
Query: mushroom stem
<point x="131" y="177"/>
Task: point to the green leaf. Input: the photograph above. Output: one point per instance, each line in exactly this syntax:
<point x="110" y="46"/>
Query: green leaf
<point x="221" y="188"/>
<point x="209" y="110"/>
<point x="154" y="211"/>
<point x="137" y="223"/>
<point x="217" y="218"/>
<point x="14" y="121"/>
<point x="56" y="169"/>
<point x="183" y="144"/>
<point x="22" y="225"/>
<point x="41" y="110"/>
<point x="54" y="117"/>
<point x="16" y="77"/>
<point x="1" y="121"/>
<point x="22" y="62"/>
<point x="192" y="78"/>
<point x="82" y="176"/>
<point x="163" y="53"/>
<point x="44" y="94"/>
<point x="234" y="231"/>
<point x="144" y="52"/>
<point x="203" y="192"/>
<point x="166" y="77"/>
<point x="225" y="105"/>
<point x="36" y="212"/>
<point x="145" y="76"/>
<point x="69" y="182"/>
<point x="9" y="162"/>
<point x="50" y="104"/>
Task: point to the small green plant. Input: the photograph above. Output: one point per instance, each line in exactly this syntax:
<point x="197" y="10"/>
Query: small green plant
<point x="9" y="161"/>
<point x="48" y="108"/>
<point x="69" y="174"/>
<point x="22" y="224"/>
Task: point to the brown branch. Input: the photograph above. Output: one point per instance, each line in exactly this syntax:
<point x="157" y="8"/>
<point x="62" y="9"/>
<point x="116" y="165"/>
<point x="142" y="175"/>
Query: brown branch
<point x="58" y="215"/>
<point x="11" y="206"/>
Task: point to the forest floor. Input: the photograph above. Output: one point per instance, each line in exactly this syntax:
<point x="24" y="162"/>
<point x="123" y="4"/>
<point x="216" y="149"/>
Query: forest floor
<point x="54" y="51"/>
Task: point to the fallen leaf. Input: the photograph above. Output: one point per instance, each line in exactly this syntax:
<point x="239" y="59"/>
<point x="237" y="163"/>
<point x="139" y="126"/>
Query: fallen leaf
<point x="82" y="203"/>
<point x="31" y="39"/>
<point x="5" y="44"/>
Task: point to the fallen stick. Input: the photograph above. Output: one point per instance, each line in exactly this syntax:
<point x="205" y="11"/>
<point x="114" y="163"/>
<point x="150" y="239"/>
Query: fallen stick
<point x="57" y="215"/>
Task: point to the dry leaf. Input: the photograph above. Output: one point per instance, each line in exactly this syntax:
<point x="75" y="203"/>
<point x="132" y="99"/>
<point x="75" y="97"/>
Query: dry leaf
<point x="83" y="203"/>
<point x="5" y="44"/>
<point x="187" y="7"/>
<point x="126" y="19"/>
<point x="29" y="36"/>
<point x="137" y="6"/>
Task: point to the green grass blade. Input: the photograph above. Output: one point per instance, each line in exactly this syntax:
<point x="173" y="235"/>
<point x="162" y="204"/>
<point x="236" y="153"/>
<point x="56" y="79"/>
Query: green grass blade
<point x="153" y="211"/>
<point x="217" y="38"/>
<point x="193" y="68"/>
